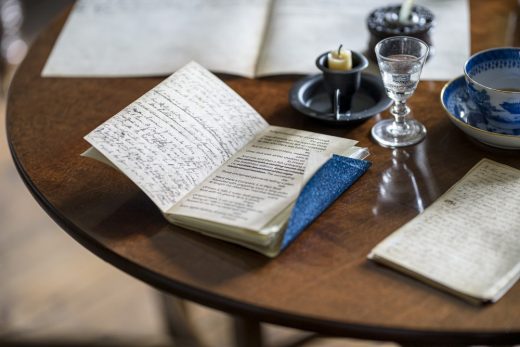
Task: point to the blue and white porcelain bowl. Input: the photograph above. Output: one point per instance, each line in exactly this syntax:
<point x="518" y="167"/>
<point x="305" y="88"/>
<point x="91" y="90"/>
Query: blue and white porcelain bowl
<point x="467" y="117"/>
<point x="493" y="84"/>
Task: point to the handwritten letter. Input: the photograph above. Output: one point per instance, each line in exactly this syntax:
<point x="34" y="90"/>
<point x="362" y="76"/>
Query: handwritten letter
<point x="469" y="239"/>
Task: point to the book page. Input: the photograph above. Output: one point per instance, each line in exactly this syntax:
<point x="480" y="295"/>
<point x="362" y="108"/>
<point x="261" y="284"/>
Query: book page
<point x="157" y="37"/>
<point x="261" y="180"/>
<point x="300" y="30"/>
<point x="469" y="239"/>
<point x="173" y="137"/>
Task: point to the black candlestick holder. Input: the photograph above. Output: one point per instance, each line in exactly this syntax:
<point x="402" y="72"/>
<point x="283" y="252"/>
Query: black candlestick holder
<point x="383" y="22"/>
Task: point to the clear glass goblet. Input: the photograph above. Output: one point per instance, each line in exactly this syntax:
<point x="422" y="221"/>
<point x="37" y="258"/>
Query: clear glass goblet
<point x="400" y="60"/>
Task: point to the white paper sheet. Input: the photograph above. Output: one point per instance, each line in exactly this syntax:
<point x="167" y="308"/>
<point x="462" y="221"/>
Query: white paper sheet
<point x="466" y="241"/>
<point x="156" y="37"/>
<point x="169" y="140"/>
<point x="251" y="188"/>
<point x="300" y="30"/>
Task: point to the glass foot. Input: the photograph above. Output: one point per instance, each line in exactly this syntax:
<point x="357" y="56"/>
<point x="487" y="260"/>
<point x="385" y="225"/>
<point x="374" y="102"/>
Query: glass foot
<point x="391" y="134"/>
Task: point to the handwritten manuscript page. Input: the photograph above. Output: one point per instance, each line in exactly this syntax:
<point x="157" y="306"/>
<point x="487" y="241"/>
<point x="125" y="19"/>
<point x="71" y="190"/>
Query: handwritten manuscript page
<point x="174" y="136"/>
<point x="468" y="241"/>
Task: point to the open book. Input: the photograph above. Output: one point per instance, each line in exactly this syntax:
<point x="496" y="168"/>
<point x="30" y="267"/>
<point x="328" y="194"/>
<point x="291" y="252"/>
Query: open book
<point x="212" y="164"/>
<point x="242" y="37"/>
<point x="468" y="241"/>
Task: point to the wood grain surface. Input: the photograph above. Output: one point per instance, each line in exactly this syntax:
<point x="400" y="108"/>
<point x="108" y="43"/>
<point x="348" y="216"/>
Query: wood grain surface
<point x="323" y="281"/>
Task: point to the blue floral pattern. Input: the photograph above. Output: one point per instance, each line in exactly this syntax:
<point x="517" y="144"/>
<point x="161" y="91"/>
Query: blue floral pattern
<point x="460" y="105"/>
<point x="511" y="107"/>
<point x="481" y="98"/>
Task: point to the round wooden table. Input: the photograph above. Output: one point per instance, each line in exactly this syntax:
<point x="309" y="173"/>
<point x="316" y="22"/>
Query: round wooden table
<point x="323" y="281"/>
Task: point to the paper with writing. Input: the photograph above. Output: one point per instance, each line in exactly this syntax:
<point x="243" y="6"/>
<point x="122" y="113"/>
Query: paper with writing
<point x="157" y="37"/>
<point x="243" y="37"/>
<point x="469" y="239"/>
<point x="300" y="30"/>
<point x="261" y="180"/>
<point x="178" y="133"/>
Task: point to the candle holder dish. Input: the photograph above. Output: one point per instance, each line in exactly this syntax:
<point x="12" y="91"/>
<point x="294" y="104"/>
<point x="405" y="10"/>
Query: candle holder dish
<point x="383" y="22"/>
<point x="310" y="97"/>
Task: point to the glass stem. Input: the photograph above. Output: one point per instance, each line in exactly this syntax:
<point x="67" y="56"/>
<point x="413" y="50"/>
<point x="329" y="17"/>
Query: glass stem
<point x="400" y="111"/>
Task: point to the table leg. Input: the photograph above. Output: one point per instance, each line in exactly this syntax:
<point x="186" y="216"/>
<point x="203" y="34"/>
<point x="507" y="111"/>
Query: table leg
<point x="177" y="323"/>
<point x="248" y="332"/>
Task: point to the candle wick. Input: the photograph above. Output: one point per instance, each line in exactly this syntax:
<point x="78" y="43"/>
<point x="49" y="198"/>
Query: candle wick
<point x="339" y="50"/>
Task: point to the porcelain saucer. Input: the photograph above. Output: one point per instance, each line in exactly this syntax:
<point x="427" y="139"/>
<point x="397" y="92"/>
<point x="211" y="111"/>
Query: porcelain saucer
<point x="308" y="96"/>
<point x="466" y="116"/>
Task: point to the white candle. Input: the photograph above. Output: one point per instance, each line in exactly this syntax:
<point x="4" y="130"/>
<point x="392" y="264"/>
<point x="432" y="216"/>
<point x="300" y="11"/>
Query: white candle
<point x="340" y="59"/>
<point x="404" y="13"/>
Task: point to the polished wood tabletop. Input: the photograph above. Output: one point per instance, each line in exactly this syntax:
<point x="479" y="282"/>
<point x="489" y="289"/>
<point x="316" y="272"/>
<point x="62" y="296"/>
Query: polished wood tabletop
<point x="323" y="282"/>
